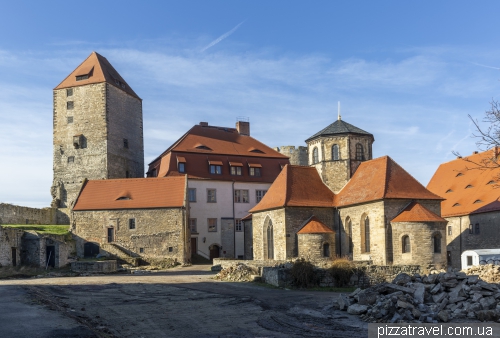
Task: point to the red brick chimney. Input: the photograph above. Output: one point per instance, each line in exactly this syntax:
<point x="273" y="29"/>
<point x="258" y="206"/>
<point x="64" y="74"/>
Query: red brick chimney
<point x="243" y="127"/>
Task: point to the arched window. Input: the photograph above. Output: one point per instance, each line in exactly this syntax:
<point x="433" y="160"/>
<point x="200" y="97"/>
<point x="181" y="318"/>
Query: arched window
<point x="360" y="154"/>
<point x="335" y="152"/>
<point x="270" y="241"/>
<point x="366" y="234"/>
<point x="326" y="250"/>
<point x="315" y="155"/>
<point x="437" y="243"/>
<point x="348" y="223"/>
<point x="405" y="243"/>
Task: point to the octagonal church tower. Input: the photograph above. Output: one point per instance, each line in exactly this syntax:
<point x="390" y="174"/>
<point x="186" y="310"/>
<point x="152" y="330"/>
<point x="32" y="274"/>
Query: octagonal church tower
<point x="337" y="151"/>
<point x="98" y="130"/>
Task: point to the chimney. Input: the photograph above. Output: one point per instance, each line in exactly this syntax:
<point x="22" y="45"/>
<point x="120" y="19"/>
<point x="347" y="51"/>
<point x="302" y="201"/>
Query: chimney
<point x="475" y="152"/>
<point x="204" y="124"/>
<point x="242" y="126"/>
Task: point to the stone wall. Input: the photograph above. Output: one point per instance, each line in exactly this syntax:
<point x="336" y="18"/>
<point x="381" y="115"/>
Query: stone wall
<point x="421" y="236"/>
<point x="311" y="246"/>
<point x="461" y="239"/>
<point x="34" y="249"/>
<point x="248" y="243"/>
<point x="99" y="266"/>
<point x="10" y="245"/>
<point x="286" y="222"/>
<point x="158" y="233"/>
<point x="15" y="214"/>
<point x="297" y="155"/>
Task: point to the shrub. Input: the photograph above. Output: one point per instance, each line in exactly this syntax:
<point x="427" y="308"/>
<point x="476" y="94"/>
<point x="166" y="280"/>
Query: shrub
<point x="342" y="270"/>
<point x="302" y="273"/>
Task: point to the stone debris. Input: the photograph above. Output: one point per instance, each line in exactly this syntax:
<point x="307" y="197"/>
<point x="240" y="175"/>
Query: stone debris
<point x="438" y="297"/>
<point x="238" y="272"/>
<point x="489" y="273"/>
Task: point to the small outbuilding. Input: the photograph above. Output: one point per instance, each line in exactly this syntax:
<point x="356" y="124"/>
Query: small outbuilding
<point x="480" y="257"/>
<point x="316" y="240"/>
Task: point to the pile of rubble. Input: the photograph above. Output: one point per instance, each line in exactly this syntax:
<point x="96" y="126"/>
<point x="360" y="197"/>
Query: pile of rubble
<point x="489" y="272"/>
<point x="238" y="272"/>
<point x="440" y="297"/>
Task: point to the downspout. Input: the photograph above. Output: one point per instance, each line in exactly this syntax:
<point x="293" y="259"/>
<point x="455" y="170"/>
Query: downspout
<point x="234" y="225"/>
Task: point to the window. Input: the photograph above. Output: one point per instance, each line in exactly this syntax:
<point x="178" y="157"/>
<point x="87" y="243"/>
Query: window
<point x="241" y="196"/>
<point x="71" y="159"/>
<point x="477" y="229"/>
<point x="366" y="228"/>
<point x="141" y="250"/>
<point x="406" y="244"/>
<point x="238" y="224"/>
<point x="456" y="204"/>
<point x="459" y="174"/>
<point x="477" y="201"/>
<point x="360" y="154"/>
<point x="131" y="223"/>
<point x="315" y="155"/>
<point x="182" y="167"/>
<point x="215" y="169"/>
<point x="469" y="260"/>
<point x="449" y="230"/>
<point x="236" y="171"/>
<point x="70" y="119"/>
<point x="69" y="92"/>
<point x="170" y="248"/>
<point x="471" y="229"/>
<point x="192" y="225"/>
<point x="211" y="196"/>
<point x="448" y="191"/>
<point x="255" y="172"/>
<point x="468" y="187"/>
<point x="212" y="225"/>
<point x="335" y="152"/>
<point x="70" y="105"/>
<point x="326" y="250"/>
<point x="349" y="228"/>
<point x="192" y="194"/>
<point x="259" y="194"/>
<point x="125" y="143"/>
<point x="437" y="243"/>
<point x="82" y="77"/>
<point x="490" y="182"/>
<point x="127" y="174"/>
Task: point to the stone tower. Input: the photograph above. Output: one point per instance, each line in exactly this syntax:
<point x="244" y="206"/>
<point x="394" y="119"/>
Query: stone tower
<point x="98" y="132"/>
<point x="337" y="151"/>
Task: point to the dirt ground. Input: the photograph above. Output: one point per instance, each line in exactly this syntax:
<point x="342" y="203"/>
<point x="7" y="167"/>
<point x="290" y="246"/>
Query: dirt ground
<point x="180" y="302"/>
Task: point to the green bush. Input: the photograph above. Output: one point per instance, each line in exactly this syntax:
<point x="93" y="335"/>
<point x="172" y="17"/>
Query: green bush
<point x="342" y="270"/>
<point x="302" y="273"/>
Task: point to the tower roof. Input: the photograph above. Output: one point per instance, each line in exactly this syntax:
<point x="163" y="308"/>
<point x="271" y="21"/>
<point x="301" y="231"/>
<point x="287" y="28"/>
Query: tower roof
<point x="339" y="127"/>
<point x="416" y="212"/>
<point x="314" y="226"/>
<point x="296" y="186"/>
<point x="96" y="69"/>
<point x="379" y="179"/>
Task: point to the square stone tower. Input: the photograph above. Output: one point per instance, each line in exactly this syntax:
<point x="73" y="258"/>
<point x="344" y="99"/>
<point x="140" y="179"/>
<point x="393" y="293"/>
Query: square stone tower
<point x="98" y="130"/>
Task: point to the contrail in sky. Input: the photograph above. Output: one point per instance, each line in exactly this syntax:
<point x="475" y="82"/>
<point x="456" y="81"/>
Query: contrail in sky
<point x="222" y="37"/>
<point x="478" y="64"/>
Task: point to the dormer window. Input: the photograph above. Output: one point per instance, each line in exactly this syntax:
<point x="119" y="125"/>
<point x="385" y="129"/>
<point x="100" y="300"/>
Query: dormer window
<point x="123" y="198"/>
<point x="182" y="167"/>
<point x="215" y="167"/>
<point x="255" y="150"/>
<point x="468" y="187"/>
<point x="236" y="168"/>
<point x="491" y="182"/>
<point x="202" y="147"/>
<point x="477" y="201"/>
<point x="255" y="169"/>
<point x="448" y="191"/>
<point x="82" y="77"/>
<point x="84" y="73"/>
<point x="456" y="204"/>
<point x="459" y="174"/>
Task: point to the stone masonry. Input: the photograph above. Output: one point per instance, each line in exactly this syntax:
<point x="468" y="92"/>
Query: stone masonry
<point x="297" y="155"/>
<point x="14" y="214"/>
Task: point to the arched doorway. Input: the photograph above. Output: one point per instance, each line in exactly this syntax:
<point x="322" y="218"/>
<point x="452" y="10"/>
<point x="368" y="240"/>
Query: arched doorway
<point x="214" y="251"/>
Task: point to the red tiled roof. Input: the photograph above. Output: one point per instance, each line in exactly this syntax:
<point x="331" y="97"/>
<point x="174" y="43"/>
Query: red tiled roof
<point x="379" y="179"/>
<point x="132" y="193"/>
<point x="315" y="226"/>
<point x="466" y="186"/>
<point x="296" y="186"/>
<point x="228" y="148"/>
<point x="416" y="212"/>
<point x="99" y="70"/>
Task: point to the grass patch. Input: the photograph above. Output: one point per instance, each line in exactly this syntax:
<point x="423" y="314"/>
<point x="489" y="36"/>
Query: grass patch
<point x="43" y="229"/>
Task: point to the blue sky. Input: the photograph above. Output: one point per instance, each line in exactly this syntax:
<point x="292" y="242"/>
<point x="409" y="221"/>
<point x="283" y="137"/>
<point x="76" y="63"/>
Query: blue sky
<point x="409" y="73"/>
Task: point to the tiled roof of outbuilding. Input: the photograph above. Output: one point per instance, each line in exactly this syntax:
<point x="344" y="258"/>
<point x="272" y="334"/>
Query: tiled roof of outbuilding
<point x="379" y="179"/>
<point x="99" y="70"/>
<point x="416" y="212"/>
<point x="132" y="193"/>
<point x="314" y="226"/>
<point x="296" y="186"/>
<point x="467" y="185"/>
<point x="339" y="127"/>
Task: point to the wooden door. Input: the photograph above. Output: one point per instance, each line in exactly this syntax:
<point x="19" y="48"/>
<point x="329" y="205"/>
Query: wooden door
<point x="214" y="251"/>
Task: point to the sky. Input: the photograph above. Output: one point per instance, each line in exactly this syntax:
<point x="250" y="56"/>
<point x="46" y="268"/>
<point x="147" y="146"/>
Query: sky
<point x="410" y="73"/>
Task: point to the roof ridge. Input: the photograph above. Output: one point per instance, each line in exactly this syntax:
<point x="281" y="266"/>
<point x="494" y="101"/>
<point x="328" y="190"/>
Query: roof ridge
<point x="287" y="190"/>
<point x="387" y="173"/>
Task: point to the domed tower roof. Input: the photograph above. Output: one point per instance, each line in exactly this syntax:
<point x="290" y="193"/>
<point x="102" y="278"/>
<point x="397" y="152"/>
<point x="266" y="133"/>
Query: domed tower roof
<point x="339" y="127"/>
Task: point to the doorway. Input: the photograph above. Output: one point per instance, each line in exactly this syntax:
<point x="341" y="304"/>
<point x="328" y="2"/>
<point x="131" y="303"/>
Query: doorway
<point x="214" y="251"/>
<point x="194" y="246"/>
<point x="50" y="253"/>
<point x="14" y="257"/>
<point x="111" y="235"/>
<point x="90" y="249"/>
<point x="448" y="257"/>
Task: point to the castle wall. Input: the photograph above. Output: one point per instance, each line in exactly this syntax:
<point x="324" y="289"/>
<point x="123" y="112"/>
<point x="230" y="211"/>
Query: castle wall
<point x="158" y="233"/>
<point x="15" y="214"/>
<point x="10" y="245"/>
<point x="124" y="114"/>
<point x="298" y="155"/>
<point x="89" y="158"/>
